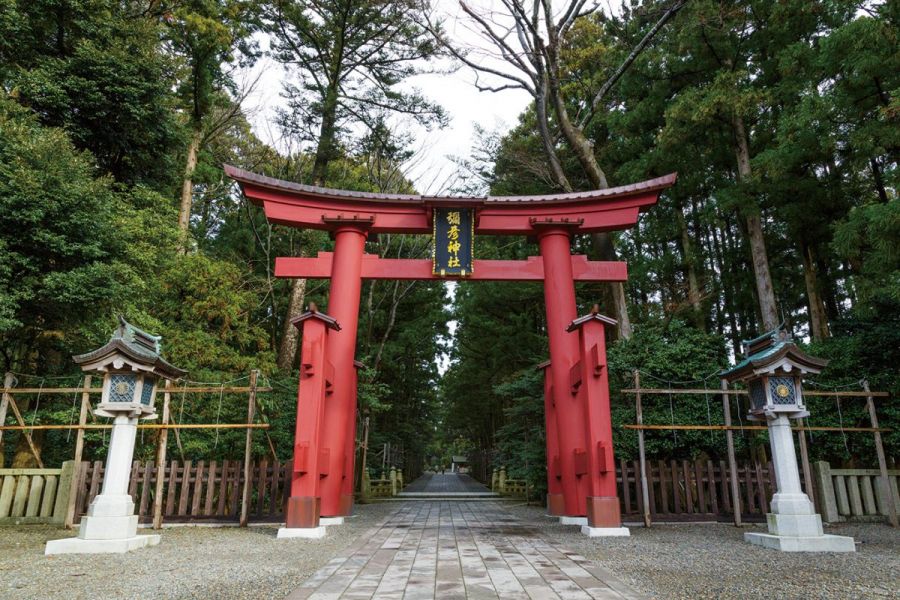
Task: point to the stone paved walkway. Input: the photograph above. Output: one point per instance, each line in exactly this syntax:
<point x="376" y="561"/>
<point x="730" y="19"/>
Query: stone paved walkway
<point x="458" y="549"/>
<point x="445" y="483"/>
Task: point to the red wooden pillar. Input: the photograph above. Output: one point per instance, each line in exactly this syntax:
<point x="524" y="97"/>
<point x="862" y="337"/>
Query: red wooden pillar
<point x="303" y="506"/>
<point x="559" y="296"/>
<point x="603" y="509"/>
<point x="340" y="410"/>
<point x="350" y="447"/>
<point x="555" y="504"/>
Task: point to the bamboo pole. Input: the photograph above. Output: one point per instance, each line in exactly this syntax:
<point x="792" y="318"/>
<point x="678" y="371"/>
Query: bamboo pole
<point x="732" y="463"/>
<point x="79" y="450"/>
<point x="161" y="459"/>
<point x="804" y="461"/>
<point x="639" y="414"/>
<point x="882" y="461"/>
<point x="248" y="447"/>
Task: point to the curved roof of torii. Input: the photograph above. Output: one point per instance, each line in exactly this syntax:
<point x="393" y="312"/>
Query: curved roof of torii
<point x="299" y="205"/>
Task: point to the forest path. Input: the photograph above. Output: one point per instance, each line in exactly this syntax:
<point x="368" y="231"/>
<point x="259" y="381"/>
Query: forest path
<point x="458" y="549"/>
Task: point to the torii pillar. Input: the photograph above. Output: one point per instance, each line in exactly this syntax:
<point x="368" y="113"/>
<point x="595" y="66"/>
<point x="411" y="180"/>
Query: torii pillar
<point x="340" y="409"/>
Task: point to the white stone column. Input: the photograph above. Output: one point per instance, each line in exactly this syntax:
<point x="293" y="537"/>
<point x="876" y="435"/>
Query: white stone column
<point x="110" y="525"/>
<point x="793" y="523"/>
<point x="789" y="499"/>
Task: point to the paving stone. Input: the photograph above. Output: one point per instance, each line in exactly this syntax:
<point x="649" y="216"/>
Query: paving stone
<point x="451" y="548"/>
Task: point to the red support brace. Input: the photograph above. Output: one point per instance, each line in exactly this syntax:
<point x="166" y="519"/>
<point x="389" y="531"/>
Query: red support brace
<point x="303" y="507"/>
<point x="593" y="396"/>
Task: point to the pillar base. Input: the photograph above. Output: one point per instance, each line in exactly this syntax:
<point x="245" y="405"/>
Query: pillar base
<point x="309" y="533"/>
<point x="564" y="520"/>
<point x="820" y="543"/>
<point x="331" y="520"/>
<point x="301" y="512"/>
<point x="604" y="512"/>
<point x="79" y="545"/>
<point x="556" y="505"/>
<point x="346" y="505"/>
<point x="605" y="531"/>
<point x="795" y="525"/>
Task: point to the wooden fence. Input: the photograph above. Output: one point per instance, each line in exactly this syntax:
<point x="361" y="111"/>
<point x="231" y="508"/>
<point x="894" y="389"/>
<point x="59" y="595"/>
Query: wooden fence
<point x="195" y="491"/>
<point x="34" y="495"/>
<point x="695" y="490"/>
<point x="855" y="494"/>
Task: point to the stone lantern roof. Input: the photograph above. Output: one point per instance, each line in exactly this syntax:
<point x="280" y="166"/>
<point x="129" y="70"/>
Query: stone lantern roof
<point x="773" y="350"/>
<point x="142" y="350"/>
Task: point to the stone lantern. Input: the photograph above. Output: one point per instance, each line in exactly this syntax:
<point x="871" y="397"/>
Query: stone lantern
<point x="132" y="367"/>
<point x="772" y="369"/>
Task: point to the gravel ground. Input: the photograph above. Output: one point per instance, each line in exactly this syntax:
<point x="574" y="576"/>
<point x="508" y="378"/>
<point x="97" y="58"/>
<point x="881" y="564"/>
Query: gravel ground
<point x="713" y="561"/>
<point x="190" y="562"/>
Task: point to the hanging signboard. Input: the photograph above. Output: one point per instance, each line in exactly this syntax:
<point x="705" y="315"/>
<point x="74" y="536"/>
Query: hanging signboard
<point x="454" y="240"/>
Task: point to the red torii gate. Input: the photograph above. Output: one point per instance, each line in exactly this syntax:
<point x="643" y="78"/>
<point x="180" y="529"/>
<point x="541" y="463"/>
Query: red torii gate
<point x="580" y="466"/>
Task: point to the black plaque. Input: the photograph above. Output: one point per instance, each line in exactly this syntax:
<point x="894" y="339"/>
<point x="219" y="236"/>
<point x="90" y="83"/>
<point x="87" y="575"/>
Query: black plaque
<point x="453" y="243"/>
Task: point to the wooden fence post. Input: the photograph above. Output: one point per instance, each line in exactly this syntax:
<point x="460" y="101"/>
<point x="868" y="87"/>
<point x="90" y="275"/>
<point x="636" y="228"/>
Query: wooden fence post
<point x="161" y="459"/>
<point x="645" y="494"/>
<point x="363" y="486"/>
<point x="804" y="462"/>
<point x="251" y="408"/>
<point x="732" y="463"/>
<point x="79" y="450"/>
<point x="4" y="403"/>
<point x="882" y="462"/>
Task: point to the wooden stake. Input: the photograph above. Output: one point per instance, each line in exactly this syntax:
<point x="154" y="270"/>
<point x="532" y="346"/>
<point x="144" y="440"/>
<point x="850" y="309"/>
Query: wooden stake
<point x="251" y="408"/>
<point x="639" y="413"/>
<point x="365" y="451"/>
<point x="161" y="459"/>
<point x="4" y="404"/>
<point x="79" y="450"/>
<point x="732" y="463"/>
<point x="882" y="462"/>
<point x="804" y="462"/>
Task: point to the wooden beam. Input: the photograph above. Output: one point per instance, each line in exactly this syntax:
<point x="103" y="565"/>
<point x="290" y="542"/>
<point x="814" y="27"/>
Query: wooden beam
<point x="732" y="461"/>
<point x="734" y="391"/>
<point x="882" y="462"/>
<point x="4" y="405"/>
<point x="375" y="267"/>
<point x="26" y="431"/>
<point x="161" y="449"/>
<point x="155" y="426"/>
<point x="248" y="442"/>
<point x="752" y="428"/>
<point x="79" y="450"/>
<point x="73" y="390"/>
<point x="639" y="414"/>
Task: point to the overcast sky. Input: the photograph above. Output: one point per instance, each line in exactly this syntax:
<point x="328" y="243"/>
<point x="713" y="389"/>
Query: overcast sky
<point x="455" y="91"/>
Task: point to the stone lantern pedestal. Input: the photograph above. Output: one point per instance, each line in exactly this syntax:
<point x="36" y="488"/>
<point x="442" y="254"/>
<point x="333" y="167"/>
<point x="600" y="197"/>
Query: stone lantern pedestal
<point x="773" y="369"/>
<point x="793" y="523"/>
<point x="110" y="525"/>
<point x="131" y="367"/>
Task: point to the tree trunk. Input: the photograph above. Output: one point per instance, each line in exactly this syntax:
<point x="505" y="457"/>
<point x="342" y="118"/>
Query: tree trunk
<point x="818" y="321"/>
<point x="584" y="151"/>
<point x="540" y="109"/>
<point x="187" y="186"/>
<point x="753" y="218"/>
<point x="290" y="334"/>
<point x="690" y="266"/>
